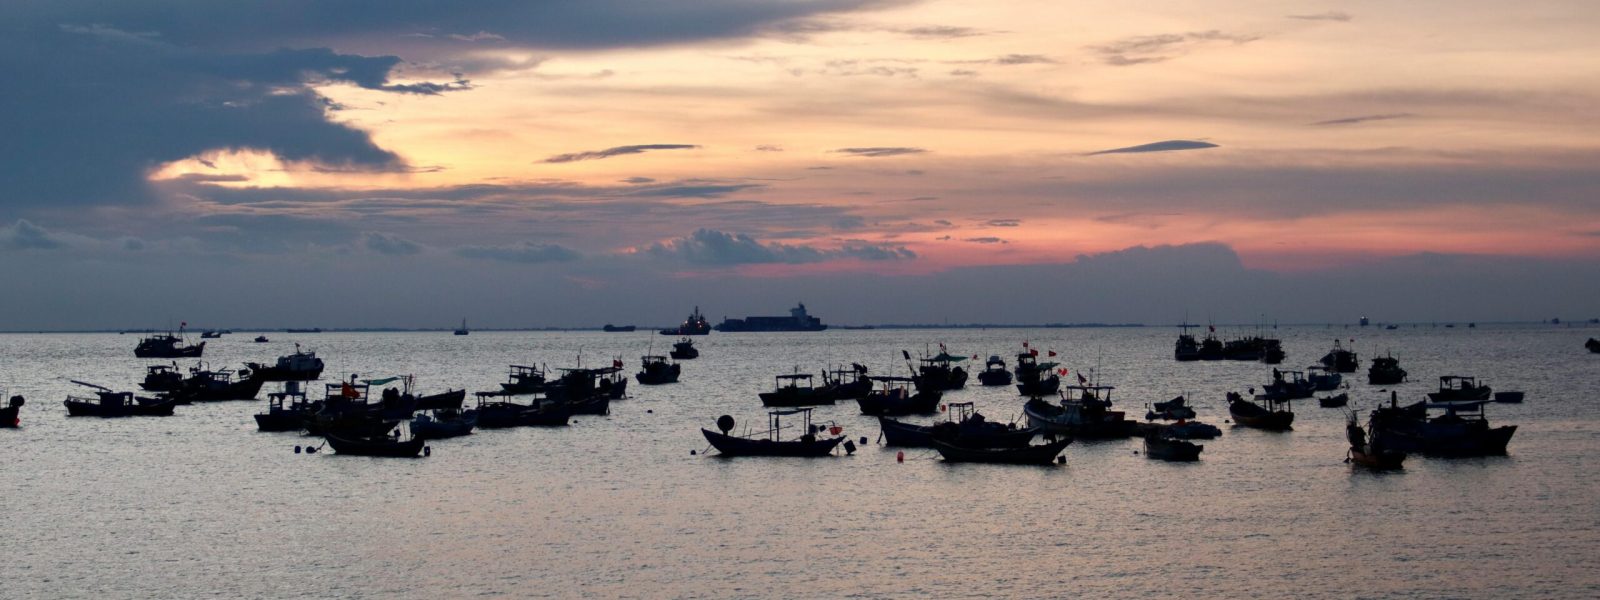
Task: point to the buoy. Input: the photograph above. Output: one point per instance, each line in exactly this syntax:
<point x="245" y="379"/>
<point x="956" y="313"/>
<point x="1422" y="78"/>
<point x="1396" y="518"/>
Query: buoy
<point x="849" y="447"/>
<point x="691" y="453"/>
<point x="863" y="440"/>
<point x="900" y="456"/>
<point x="311" y="449"/>
<point x="941" y="408"/>
<point x="649" y="411"/>
<point x="296" y="449"/>
<point x="427" y="450"/>
<point x="835" y="430"/>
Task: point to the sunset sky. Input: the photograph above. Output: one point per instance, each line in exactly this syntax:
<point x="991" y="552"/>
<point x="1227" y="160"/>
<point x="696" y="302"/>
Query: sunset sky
<point x="528" y="163"/>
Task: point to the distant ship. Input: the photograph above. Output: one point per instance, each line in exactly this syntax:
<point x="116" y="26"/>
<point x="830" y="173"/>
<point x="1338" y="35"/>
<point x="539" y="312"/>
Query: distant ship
<point x="311" y="330"/>
<point x="463" y="329"/>
<point x="797" y="320"/>
<point x="696" y="324"/>
<point x="609" y="328"/>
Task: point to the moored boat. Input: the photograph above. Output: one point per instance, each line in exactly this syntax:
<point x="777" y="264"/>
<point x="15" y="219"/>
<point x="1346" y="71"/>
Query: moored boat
<point x="1084" y="411"/>
<point x="847" y="384"/>
<point x="9" y="414"/>
<point x="1323" y="379"/>
<point x="807" y="444"/>
<point x="1385" y="370"/>
<point x="381" y="446"/>
<point x="609" y="328"/>
<point x="444" y="423"/>
<point x="498" y="414"/>
<point x="1159" y="445"/>
<point x="1186" y="349"/>
<point x="1172" y="410"/>
<point x="939" y="373"/>
<point x="287" y="410"/>
<point x="994" y="372"/>
<point x="161" y="378"/>
<point x="1276" y="415"/>
<point x="1461" y="430"/>
<point x="1288" y="385"/>
<point x="1593" y="345"/>
<point x="684" y="350"/>
<point x="523" y="379"/>
<point x="109" y="404"/>
<point x="895" y="397"/>
<point x="1370" y="449"/>
<point x="299" y="366"/>
<point x="1036" y="378"/>
<point x="1334" y="401"/>
<point x="655" y="370"/>
<point x="167" y="345"/>
<point x="695" y="324"/>
<point x="1460" y="387"/>
<point x="1041" y="454"/>
<point x="261" y="339"/>
<point x="206" y="385"/>
<point x="971" y="429"/>
<point x="794" y="389"/>
<point x="1341" y="360"/>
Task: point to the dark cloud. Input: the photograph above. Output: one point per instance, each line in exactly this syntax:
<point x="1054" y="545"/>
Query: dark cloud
<point x="1003" y="222"/>
<point x="963" y="73"/>
<point x="1332" y="15"/>
<point x="716" y="248"/>
<point x="1364" y="119"/>
<point x="1166" y="146"/>
<point x="769" y="148"/>
<point x="638" y="180"/>
<point x="24" y="235"/>
<point x="1157" y="48"/>
<point x="941" y="31"/>
<point x="849" y="223"/>
<point x="1024" y="59"/>
<point x="880" y="151"/>
<point x="985" y="240"/>
<point x="525" y="253"/>
<point x="615" y="151"/>
<point x="389" y="244"/>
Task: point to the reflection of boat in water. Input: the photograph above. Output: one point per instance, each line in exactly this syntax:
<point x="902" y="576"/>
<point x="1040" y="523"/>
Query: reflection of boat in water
<point x="695" y="324"/>
<point x="1385" y="370"/>
<point x="1276" y="415"/>
<point x="807" y="444"/>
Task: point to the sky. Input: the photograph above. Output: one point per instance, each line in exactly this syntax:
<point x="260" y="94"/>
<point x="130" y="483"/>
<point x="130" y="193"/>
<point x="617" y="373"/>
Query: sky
<point x="526" y="163"/>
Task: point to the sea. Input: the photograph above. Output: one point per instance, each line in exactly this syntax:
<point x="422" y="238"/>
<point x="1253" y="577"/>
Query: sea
<point x="631" y="505"/>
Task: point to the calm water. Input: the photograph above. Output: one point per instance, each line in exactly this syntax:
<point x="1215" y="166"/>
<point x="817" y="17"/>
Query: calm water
<point x="200" y="504"/>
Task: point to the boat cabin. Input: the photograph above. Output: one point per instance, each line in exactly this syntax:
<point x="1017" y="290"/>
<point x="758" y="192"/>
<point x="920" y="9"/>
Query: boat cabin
<point x="793" y="381"/>
<point x="1091" y="395"/>
<point x="1458" y="383"/>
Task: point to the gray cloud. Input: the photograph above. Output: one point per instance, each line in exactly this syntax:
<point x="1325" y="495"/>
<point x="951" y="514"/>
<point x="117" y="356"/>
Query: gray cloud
<point x="389" y="244"/>
<point x="615" y="151"/>
<point x="1166" y="146"/>
<point x="638" y="180"/>
<point x="1157" y="48"/>
<point x="716" y="248"/>
<point x="880" y="151"/>
<point x="1003" y="222"/>
<point x="1024" y="59"/>
<point x="985" y="240"/>
<point x="769" y="148"/>
<point x="24" y="235"/>
<point x="1332" y="15"/>
<point x="524" y="253"/>
<point x="1365" y="118"/>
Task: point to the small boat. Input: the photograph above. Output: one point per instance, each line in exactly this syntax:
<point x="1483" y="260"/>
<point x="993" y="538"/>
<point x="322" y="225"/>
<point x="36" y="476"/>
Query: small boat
<point x="971" y="429"/>
<point x="1160" y="446"/>
<point x="1462" y="429"/>
<point x="462" y="330"/>
<point x="1370" y="449"/>
<point x="1035" y="378"/>
<point x="808" y="444"/>
<point x="609" y="328"/>
<point x="994" y="372"/>
<point x="1276" y="415"/>
<point x="345" y="409"/>
<point x="1508" y="397"/>
<point x="939" y="373"/>
<point x="655" y="370"/>
<point x="286" y="409"/>
<point x="1385" y="370"/>
<point x="1288" y="385"/>
<point x="9" y="412"/>
<point x="497" y="414"/>
<point x="108" y="404"/>
<point x="847" y="384"/>
<point x="1341" y="360"/>
<point x="1391" y="327"/>
<point x="299" y="366"/>
<point x="523" y="380"/>
<point x="1211" y="348"/>
<point x="695" y="324"/>
<point x="385" y="446"/>
<point x="1186" y="349"/>
<point x="1042" y="454"/>
<point x="795" y="389"/>
<point x="1593" y="345"/>
<point x="1086" y="413"/>
<point x="167" y="345"/>
<point x="261" y="339"/>
<point x="1459" y="387"/>
<point x="1171" y="410"/>
<point x="1272" y="351"/>
<point x="684" y="350"/>
<point x="1334" y="401"/>
<point x="895" y="398"/>
<point x="1323" y="379"/>
<point x="1190" y="430"/>
<point x="444" y="423"/>
<point x="210" y="334"/>
<point x="161" y="378"/>
<point x="205" y="385"/>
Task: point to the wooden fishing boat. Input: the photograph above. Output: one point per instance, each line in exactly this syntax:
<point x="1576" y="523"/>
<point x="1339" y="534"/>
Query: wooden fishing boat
<point x="287" y="409"/>
<point x="1462" y="428"/>
<point x="1042" y="454"/>
<point x="1341" y="360"/>
<point x="384" y="446"/>
<point x="684" y="350"/>
<point x="994" y="372"/>
<point x="1323" y="379"/>
<point x="445" y="423"/>
<point x="1186" y="349"/>
<point x="1171" y="410"/>
<point x="161" y="378"/>
<point x="523" y="380"/>
<point x="655" y="370"/>
<point x="1288" y="385"/>
<point x="205" y="385"/>
<point x="895" y="398"/>
<point x="345" y="409"/>
<point x="1385" y="370"/>
<point x="794" y="389"/>
<point x="1370" y="449"/>
<point x="1159" y="446"/>
<point x="9" y="413"/>
<point x="167" y="345"/>
<point x="109" y="404"/>
<point x="1460" y="387"/>
<point x="971" y="429"/>
<point x="261" y="339"/>
<point x="609" y="328"/>
<point x="299" y="366"/>
<point x="1277" y="415"/>
<point x="1190" y="430"/>
<point x="1084" y="411"/>
<point x="1035" y="378"/>
<point x="847" y="384"/>
<point x="808" y="444"/>
<point x="498" y="414"/>
<point x="939" y="373"/>
<point x="1334" y="401"/>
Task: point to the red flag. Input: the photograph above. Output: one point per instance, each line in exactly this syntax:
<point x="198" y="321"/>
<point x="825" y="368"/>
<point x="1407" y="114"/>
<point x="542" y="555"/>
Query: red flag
<point x="1024" y="344"/>
<point x="1052" y="353"/>
<point x="1033" y="352"/>
<point x="1063" y="372"/>
<point x="974" y="357"/>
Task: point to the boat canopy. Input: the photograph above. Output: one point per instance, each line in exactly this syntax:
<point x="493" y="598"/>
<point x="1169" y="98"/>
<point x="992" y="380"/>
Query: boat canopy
<point x="945" y="357"/>
<point x="892" y="378"/>
<point x="795" y="376"/>
<point x="1091" y="387"/>
<point x="785" y="413"/>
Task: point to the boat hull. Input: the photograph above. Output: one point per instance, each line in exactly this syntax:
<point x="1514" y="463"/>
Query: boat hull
<point x="735" y="446"/>
<point x="1249" y="414"/>
<point x="281" y="421"/>
<point x="1381" y="461"/>
<point x="92" y="409"/>
<point x="1160" y="448"/>
<point x="882" y="405"/>
<point x="791" y="399"/>
<point x="1043" y="454"/>
<point x="273" y="373"/>
<point x="368" y="447"/>
<point x="8" y="417"/>
<point x="434" y="429"/>
<point x="896" y="433"/>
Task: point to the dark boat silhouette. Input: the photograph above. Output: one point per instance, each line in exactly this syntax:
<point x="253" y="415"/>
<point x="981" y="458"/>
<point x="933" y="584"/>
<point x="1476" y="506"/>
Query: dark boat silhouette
<point x="1385" y="370"/>
<point x="161" y="378"/>
<point x="684" y="350"/>
<point x="795" y="389"/>
<point x="1276" y="415"/>
<point x="524" y="379"/>
<point x="498" y="414"/>
<point x="1085" y="413"/>
<point x="939" y="373"/>
<point x="1461" y="430"/>
<point x="1042" y="454"/>
<point x="383" y="446"/>
<point x="299" y="366"/>
<point x="110" y="404"/>
<point x="462" y="330"/>
<point x="695" y="324"/>
<point x="1036" y="378"/>
<point x="971" y="429"/>
<point x="1369" y="448"/>
<point x="9" y="413"/>
<point x="205" y="385"/>
<point x="655" y="370"/>
<point x="847" y="384"/>
<point x="1460" y="387"/>
<point x="1158" y="445"/>
<point x="1171" y="410"/>
<point x="167" y="345"/>
<point x="807" y="444"/>
<point x="994" y="372"/>
<point x="1288" y="385"/>
<point x="1186" y="349"/>
<point x="798" y="320"/>
<point x="609" y="328"/>
<point x="1341" y="360"/>
<point x="895" y="398"/>
<point x="287" y="409"/>
<point x="444" y="423"/>
<point x="1593" y="345"/>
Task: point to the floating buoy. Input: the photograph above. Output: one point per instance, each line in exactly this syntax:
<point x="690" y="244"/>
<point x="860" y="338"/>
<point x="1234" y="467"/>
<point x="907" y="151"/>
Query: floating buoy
<point x="296" y="449"/>
<point x="941" y="408"/>
<point x="849" y="447"/>
<point x="427" y="450"/>
<point x="835" y="430"/>
<point x="311" y="450"/>
<point x="863" y="440"/>
<point x="900" y="456"/>
<point x="649" y="411"/>
<point x="691" y="453"/>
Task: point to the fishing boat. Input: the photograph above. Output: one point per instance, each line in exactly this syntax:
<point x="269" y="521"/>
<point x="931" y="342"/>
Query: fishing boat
<point x="1158" y="445"/>
<point x="1275" y="415"/>
<point x="1186" y="349"/>
<point x="695" y="324"/>
<point x="299" y="366"/>
<point x="894" y="398"/>
<point x="613" y="381"/>
<point x="1272" y="351"/>
<point x="1171" y="410"/>
<point x="261" y="339"/>
<point x="161" y="378"/>
<point x="847" y="384"/>
<point x="1460" y="387"/>
<point x="1369" y="448"/>
<point x="1188" y="430"/>
<point x="994" y="372"/>
<point x="1593" y="345"/>
<point x="496" y="414"/>
<point x="384" y="446"/>
<point x="9" y="413"/>
<point x="1460" y="429"/>
<point x="971" y="429"/>
<point x="609" y="328"/>
<point x="1042" y="454"/>
<point x="807" y="444"/>
<point x="655" y="370"/>
<point x="1246" y="348"/>
<point x="287" y="409"/>
<point x="462" y="330"/>
<point x="1084" y="411"/>
<point x="794" y="389"/>
<point x="210" y="334"/>
<point x="206" y="385"/>
<point x="939" y="373"/>
<point x="1334" y="401"/>
<point x="1323" y="379"/>
<point x="684" y="350"/>
<point x="346" y="409"/>
<point x="1341" y="360"/>
<point x="444" y="423"/>
<point x="1385" y="370"/>
<point x="1036" y="378"/>
<point x="523" y="380"/>
<point x="1211" y="348"/>
<point x="108" y="404"/>
<point x="1288" y="385"/>
<point x="167" y="345"/>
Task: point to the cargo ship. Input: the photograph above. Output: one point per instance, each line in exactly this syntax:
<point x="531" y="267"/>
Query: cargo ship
<point x="797" y="320"/>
